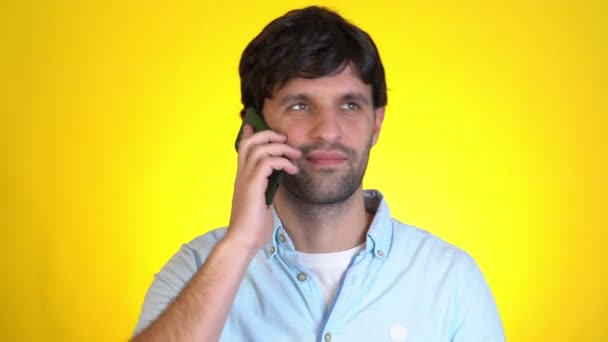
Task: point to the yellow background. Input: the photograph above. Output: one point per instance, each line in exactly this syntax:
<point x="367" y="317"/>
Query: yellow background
<point x="118" y="120"/>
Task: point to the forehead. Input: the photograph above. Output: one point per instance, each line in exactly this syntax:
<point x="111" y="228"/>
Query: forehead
<point x="346" y="81"/>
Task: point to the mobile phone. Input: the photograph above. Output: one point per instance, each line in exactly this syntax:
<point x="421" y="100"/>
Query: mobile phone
<point x="253" y="118"/>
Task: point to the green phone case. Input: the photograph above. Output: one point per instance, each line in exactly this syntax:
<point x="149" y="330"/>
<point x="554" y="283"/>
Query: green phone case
<point x="256" y="120"/>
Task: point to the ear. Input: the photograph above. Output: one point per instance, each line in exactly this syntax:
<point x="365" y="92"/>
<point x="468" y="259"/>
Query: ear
<point x="379" y="118"/>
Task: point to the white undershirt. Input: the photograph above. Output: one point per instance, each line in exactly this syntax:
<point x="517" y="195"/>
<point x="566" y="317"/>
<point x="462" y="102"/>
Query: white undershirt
<point x="327" y="269"/>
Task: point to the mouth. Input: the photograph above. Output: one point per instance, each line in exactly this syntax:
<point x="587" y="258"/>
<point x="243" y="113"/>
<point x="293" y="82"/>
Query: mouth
<point x="326" y="158"/>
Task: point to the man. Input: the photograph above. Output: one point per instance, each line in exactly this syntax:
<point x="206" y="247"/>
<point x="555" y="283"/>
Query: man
<point x="326" y="262"/>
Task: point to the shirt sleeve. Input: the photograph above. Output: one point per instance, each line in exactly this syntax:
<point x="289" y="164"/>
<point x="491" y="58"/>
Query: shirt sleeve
<point x="479" y="321"/>
<point x="173" y="277"/>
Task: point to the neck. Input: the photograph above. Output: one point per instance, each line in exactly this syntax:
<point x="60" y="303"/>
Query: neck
<point x="324" y="228"/>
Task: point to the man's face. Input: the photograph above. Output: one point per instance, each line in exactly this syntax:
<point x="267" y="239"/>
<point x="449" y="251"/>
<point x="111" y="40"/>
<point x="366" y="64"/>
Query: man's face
<point x="333" y="121"/>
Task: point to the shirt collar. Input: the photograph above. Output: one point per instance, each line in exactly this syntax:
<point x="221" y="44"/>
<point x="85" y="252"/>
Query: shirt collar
<point x="379" y="234"/>
<point x="280" y="238"/>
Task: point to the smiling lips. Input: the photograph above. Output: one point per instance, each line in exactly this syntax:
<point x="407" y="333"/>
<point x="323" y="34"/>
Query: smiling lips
<point x="326" y="158"/>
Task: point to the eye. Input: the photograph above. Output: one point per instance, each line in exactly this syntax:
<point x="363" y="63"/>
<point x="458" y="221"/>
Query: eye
<point x="299" y="106"/>
<point x="351" y="106"/>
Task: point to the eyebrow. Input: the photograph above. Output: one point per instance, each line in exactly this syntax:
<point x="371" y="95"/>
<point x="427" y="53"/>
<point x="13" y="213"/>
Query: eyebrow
<point x="358" y="97"/>
<point x="296" y="97"/>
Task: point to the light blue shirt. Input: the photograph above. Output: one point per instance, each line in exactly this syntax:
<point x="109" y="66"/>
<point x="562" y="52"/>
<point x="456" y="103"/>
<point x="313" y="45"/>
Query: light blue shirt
<point x="406" y="285"/>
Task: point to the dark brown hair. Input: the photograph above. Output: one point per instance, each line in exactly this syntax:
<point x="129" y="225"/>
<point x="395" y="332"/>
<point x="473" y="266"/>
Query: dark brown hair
<point x="311" y="42"/>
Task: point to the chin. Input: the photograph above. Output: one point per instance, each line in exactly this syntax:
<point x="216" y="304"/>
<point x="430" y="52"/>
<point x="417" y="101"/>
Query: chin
<point x="329" y="191"/>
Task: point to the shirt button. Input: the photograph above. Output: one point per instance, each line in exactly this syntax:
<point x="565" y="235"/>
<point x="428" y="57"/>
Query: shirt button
<point x="282" y="238"/>
<point x="302" y="276"/>
<point x="380" y="252"/>
<point x="327" y="337"/>
<point x="272" y="250"/>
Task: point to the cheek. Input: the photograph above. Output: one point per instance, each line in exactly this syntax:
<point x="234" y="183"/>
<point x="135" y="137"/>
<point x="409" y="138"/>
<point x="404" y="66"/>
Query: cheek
<point x="362" y="130"/>
<point x="296" y="134"/>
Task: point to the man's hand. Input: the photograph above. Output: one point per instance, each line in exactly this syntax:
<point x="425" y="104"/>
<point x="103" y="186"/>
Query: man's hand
<point x="259" y="155"/>
<point x="200" y="310"/>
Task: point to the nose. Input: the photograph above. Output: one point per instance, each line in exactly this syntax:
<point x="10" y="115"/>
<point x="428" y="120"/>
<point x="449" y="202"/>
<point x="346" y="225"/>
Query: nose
<point x="326" y="126"/>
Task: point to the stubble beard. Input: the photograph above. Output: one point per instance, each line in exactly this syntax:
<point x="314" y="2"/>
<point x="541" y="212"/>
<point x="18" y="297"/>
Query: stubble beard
<point x="328" y="186"/>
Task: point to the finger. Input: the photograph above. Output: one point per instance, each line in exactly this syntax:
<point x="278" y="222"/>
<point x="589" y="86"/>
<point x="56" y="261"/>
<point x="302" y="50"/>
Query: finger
<point x="247" y="131"/>
<point x="252" y="164"/>
<point x="258" y="152"/>
<point x="262" y="137"/>
<point x="265" y="168"/>
<point x="268" y="165"/>
<point x="258" y="177"/>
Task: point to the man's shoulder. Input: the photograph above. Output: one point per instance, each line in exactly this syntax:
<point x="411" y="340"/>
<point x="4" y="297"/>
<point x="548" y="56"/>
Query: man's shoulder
<point x="424" y="245"/>
<point x="204" y="243"/>
<point x="211" y="236"/>
<point x="406" y="240"/>
<point x="417" y="234"/>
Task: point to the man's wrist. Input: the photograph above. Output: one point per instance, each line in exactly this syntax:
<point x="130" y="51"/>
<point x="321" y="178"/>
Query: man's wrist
<point x="236" y="244"/>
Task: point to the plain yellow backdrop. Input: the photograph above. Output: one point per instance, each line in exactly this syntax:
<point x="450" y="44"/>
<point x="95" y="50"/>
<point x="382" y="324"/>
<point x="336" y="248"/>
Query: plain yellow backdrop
<point x="118" y="120"/>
